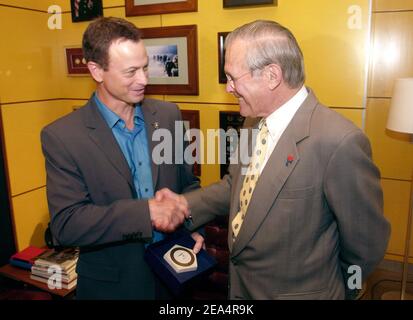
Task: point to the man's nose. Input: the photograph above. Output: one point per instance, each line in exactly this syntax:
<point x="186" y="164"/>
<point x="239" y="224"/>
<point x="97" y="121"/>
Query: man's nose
<point x="229" y="87"/>
<point x="142" y="77"/>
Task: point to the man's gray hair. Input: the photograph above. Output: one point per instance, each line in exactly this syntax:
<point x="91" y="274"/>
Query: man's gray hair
<point x="269" y="42"/>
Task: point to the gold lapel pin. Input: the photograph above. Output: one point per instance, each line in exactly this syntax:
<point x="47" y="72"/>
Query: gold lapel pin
<point x="156" y="125"/>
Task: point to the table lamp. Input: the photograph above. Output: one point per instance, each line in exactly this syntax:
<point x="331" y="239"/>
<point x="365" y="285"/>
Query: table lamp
<point x="400" y="119"/>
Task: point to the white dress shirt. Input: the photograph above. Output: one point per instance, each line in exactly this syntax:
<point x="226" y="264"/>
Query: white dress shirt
<point x="278" y="121"/>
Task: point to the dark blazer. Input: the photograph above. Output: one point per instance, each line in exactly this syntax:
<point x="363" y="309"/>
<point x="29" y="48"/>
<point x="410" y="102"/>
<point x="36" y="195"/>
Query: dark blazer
<point x="90" y="194"/>
<point x="308" y="219"/>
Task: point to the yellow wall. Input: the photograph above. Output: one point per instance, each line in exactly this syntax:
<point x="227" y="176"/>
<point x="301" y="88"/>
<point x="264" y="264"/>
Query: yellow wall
<point x="27" y="73"/>
<point x="40" y="5"/>
<point x="26" y="64"/>
<point x="22" y="123"/>
<point x="335" y="57"/>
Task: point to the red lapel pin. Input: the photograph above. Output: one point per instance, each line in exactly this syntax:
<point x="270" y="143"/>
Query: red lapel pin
<point x="290" y="160"/>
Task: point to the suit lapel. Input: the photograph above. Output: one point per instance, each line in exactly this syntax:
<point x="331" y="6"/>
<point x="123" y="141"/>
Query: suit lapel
<point x="152" y="123"/>
<point x="102" y="136"/>
<point x="269" y="185"/>
<point x="274" y="175"/>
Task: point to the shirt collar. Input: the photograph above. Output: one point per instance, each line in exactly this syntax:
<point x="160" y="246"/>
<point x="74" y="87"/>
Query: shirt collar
<point x="111" y="117"/>
<point x="283" y="115"/>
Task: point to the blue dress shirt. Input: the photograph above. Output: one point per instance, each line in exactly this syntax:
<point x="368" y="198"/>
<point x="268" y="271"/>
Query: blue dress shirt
<point x="134" y="146"/>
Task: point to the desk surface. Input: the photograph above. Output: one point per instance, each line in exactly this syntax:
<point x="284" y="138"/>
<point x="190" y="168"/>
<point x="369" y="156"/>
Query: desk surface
<point x="22" y="275"/>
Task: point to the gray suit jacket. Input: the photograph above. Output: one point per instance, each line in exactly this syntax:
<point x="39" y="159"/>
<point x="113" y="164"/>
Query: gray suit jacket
<point x="91" y="199"/>
<point x="308" y="220"/>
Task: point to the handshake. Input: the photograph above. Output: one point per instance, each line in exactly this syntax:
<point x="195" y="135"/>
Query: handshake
<point x="168" y="210"/>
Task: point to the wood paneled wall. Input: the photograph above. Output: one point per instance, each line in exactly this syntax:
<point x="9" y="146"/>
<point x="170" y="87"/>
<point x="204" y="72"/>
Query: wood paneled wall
<point x="391" y="57"/>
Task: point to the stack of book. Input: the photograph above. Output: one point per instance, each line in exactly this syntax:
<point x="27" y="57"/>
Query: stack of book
<point x="56" y="268"/>
<point x="25" y="258"/>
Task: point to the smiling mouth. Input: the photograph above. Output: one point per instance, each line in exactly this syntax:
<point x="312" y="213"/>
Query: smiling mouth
<point x="139" y="91"/>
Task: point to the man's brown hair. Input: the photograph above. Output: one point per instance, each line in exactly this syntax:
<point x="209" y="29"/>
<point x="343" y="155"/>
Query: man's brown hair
<point x="101" y="33"/>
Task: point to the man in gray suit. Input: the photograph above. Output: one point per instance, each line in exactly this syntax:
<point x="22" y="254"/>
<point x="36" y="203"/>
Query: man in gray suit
<point x="307" y="213"/>
<point x="100" y="174"/>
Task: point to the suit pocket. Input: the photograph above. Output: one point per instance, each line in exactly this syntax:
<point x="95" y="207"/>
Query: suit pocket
<point x="299" y="193"/>
<point x="97" y="271"/>
<point x="309" y="295"/>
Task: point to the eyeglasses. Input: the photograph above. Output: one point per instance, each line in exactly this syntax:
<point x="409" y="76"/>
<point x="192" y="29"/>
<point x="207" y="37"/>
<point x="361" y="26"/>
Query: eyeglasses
<point x="231" y="80"/>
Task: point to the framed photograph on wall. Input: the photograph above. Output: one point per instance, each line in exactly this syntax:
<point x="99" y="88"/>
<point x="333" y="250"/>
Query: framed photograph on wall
<point x="86" y="10"/>
<point x="76" y="63"/>
<point x="222" y="78"/>
<point x="229" y="120"/>
<point x="148" y="7"/>
<point x="191" y="121"/>
<point x="240" y="3"/>
<point x="173" y="60"/>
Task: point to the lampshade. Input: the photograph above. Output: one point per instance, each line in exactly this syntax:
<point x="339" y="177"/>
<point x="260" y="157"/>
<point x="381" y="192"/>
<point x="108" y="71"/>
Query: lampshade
<point x="400" y="117"/>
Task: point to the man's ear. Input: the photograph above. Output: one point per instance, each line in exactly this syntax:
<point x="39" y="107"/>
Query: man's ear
<point x="96" y="71"/>
<point x="274" y="75"/>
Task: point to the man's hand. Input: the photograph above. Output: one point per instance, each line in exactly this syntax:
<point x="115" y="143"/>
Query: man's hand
<point x="167" y="214"/>
<point x="199" y="242"/>
<point x="165" y="193"/>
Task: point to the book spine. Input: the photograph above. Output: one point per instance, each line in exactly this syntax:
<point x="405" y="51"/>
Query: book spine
<point x="46" y="264"/>
<point x="20" y="264"/>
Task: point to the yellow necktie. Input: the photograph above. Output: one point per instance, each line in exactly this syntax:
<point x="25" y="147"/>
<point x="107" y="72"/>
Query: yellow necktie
<point x="251" y="177"/>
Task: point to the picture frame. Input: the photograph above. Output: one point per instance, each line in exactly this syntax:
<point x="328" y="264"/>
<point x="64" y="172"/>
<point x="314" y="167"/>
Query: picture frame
<point x="150" y="7"/>
<point x="173" y="60"/>
<point x="191" y="121"/>
<point x="75" y="62"/>
<point x="240" y="3"/>
<point x="229" y="120"/>
<point x="86" y="10"/>
<point x="222" y="78"/>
